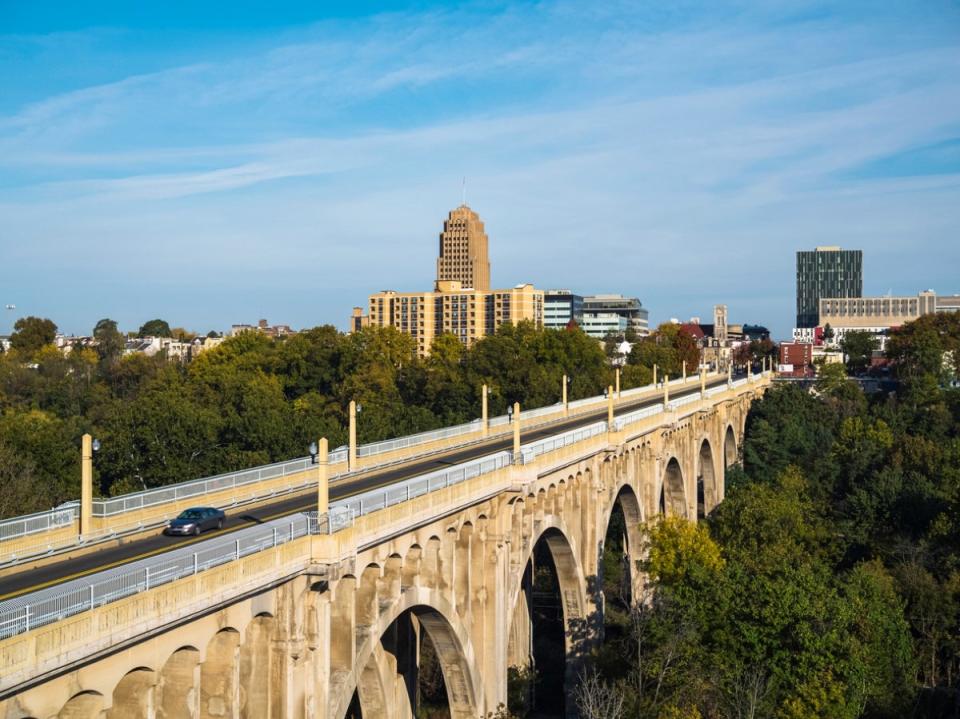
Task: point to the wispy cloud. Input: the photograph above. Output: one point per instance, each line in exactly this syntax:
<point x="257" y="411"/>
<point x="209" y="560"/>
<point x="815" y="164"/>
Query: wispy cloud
<point x="685" y="145"/>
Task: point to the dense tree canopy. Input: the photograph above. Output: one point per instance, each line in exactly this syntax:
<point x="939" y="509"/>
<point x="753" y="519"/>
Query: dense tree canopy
<point x="254" y="399"/>
<point x="154" y="328"/>
<point x="30" y="334"/>
<point x="827" y="583"/>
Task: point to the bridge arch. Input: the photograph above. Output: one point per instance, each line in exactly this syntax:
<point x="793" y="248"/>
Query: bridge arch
<point x="219" y="680"/>
<point x="731" y="450"/>
<point x="441" y="622"/>
<point x="673" y="502"/>
<point x="708" y="488"/>
<point x="84" y="705"/>
<point x="577" y="623"/>
<point x="133" y="697"/>
<point x="176" y="692"/>
<point x="631" y="508"/>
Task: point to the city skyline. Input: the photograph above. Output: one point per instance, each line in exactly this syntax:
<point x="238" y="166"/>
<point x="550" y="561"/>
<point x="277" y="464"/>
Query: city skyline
<point x="267" y="165"/>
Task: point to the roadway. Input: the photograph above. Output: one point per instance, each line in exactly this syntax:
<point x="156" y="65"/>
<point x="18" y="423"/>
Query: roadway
<point x="113" y="555"/>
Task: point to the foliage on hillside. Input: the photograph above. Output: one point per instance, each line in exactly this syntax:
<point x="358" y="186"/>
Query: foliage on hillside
<point x="252" y="400"/>
<point x="827" y="584"/>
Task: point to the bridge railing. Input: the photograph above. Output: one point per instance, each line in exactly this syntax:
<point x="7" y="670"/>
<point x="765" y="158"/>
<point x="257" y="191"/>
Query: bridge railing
<point x="531" y="451"/>
<point x="377" y="499"/>
<point x="27" y="524"/>
<point x="390" y="445"/>
<point x="636" y="416"/>
<point x="201" y="487"/>
<point x="36" y="609"/>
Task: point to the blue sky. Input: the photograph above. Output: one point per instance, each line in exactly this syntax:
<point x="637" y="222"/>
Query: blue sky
<point x="211" y="165"/>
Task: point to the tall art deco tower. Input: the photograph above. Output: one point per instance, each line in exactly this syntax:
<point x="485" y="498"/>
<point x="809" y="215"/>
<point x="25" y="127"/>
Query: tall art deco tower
<point x="463" y="250"/>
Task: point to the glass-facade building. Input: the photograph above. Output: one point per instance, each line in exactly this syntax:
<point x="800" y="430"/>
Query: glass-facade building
<point x="561" y="306"/>
<point x="826" y="272"/>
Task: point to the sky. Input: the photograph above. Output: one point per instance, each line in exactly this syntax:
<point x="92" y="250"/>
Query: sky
<point x="217" y="164"/>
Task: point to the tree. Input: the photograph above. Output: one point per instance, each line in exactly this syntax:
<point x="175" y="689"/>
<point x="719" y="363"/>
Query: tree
<point x="828" y="333"/>
<point x="110" y="341"/>
<point x="32" y="333"/>
<point x="859" y="348"/>
<point x="154" y="328"/>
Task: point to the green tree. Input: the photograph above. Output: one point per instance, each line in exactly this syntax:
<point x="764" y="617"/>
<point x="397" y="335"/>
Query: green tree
<point x="154" y="328"/>
<point x="32" y="333"/>
<point x="110" y="342"/>
<point x="859" y="348"/>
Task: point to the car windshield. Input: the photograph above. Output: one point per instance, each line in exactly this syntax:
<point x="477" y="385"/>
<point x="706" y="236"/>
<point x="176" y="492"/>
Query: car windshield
<point x="191" y="514"/>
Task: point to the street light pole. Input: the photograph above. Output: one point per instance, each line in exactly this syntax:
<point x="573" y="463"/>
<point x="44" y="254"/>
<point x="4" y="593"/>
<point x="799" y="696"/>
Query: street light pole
<point x="88" y="445"/>
<point x="352" y="452"/>
<point x="516" y="432"/>
<point x="484" y="417"/>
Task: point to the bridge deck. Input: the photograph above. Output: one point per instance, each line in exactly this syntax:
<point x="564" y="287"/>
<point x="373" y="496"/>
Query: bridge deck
<point x="71" y="567"/>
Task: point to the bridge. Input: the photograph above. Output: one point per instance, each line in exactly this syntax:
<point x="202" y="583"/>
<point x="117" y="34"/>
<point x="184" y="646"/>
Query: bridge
<point x="317" y="598"/>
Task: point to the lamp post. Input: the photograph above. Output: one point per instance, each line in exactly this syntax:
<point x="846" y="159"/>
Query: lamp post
<point x="355" y="409"/>
<point x="654" y="375"/>
<point x="618" y="382"/>
<point x="88" y="446"/>
<point x="514" y="413"/>
<point x="484" y="418"/>
<point x="319" y="454"/>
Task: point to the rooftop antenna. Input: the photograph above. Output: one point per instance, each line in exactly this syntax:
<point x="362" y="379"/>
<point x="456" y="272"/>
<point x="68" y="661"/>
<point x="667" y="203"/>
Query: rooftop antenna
<point x="463" y="191"/>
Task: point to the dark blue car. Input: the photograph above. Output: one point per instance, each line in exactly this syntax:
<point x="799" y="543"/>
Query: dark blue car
<point x="195" y="520"/>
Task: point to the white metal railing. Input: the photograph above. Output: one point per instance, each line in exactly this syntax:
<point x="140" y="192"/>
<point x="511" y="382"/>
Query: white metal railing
<point x="28" y="524"/>
<point x="377" y="499"/>
<point x="22" y="614"/>
<point x="388" y="445"/>
<point x="630" y="417"/>
<point x="206" y="486"/>
<point x="686" y="399"/>
<point x="533" y="450"/>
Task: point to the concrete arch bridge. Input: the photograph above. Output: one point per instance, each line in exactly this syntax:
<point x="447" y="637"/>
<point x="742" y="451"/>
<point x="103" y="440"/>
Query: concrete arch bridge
<point x="333" y="623"/>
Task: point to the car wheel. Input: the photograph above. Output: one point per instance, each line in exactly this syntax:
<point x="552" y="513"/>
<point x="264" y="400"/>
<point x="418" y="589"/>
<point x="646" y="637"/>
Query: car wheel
<point x="196" y="530"/>
<point x="219" y="524"/>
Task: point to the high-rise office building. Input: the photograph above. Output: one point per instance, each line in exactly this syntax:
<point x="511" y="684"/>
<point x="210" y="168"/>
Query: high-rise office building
<point x="826" y="272"/>
<point x="463" y="250"/>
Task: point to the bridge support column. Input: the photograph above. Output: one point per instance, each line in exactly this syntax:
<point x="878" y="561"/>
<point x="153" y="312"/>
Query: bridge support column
<point x="220" y="678"/>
